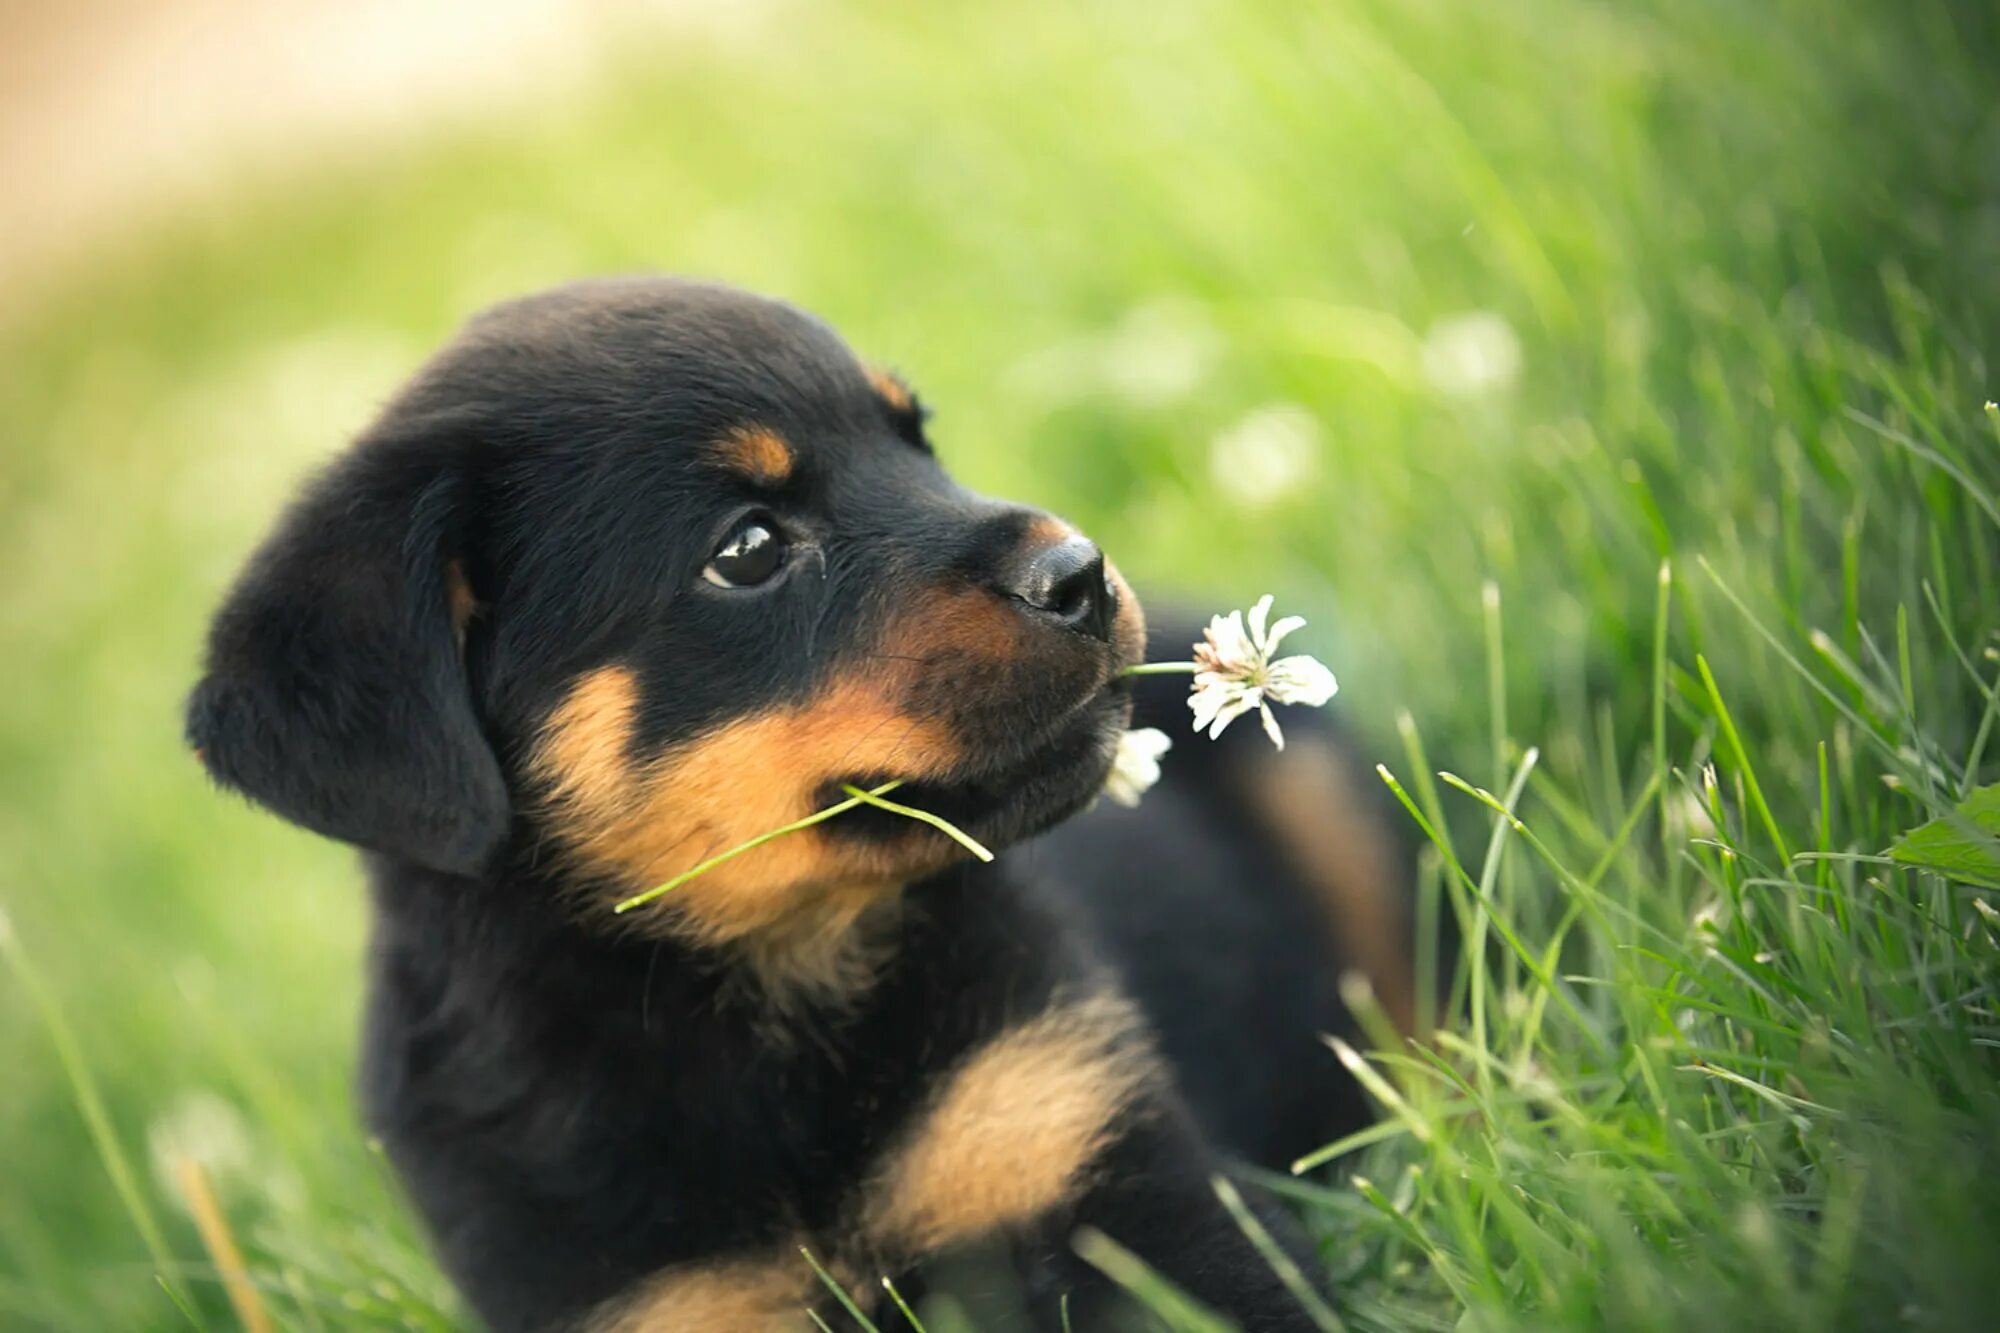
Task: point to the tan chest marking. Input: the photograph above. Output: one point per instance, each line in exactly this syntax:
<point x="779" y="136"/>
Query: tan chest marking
<point x="1014" y="1131"/>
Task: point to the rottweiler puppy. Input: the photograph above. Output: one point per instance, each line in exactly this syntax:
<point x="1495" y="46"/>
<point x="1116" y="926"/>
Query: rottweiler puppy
<point x="636" y="570"/>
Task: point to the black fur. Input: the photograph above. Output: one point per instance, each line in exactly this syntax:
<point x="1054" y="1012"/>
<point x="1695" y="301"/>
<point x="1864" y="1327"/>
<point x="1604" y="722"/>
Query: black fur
<point x="575" y="1105"/>
<point x="335" y="693"/>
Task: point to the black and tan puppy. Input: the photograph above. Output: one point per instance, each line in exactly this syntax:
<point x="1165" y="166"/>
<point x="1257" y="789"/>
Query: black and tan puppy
<point x="634" y="571"/>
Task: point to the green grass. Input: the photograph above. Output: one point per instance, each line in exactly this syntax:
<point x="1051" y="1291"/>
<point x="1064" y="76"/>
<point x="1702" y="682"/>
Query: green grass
<point x="1717" y="1062"/>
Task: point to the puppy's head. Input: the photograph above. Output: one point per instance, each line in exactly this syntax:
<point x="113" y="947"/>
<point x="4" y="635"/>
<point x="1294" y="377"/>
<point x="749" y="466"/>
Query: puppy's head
<point x="634" y="572"/>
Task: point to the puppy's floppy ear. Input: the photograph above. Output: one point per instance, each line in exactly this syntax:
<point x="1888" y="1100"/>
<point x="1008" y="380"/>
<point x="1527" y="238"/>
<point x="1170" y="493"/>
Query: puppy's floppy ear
<point x="335" y="691"/>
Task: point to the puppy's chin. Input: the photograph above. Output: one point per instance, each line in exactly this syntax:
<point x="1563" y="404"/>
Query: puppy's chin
<point x="1059" y="777"/>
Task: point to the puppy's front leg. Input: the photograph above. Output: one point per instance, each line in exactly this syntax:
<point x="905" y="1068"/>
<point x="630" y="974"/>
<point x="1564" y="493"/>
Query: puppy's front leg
<point x="1066" y="1121"/>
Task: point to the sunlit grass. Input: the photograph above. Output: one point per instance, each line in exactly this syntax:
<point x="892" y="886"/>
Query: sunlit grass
<point x="1545" y="299"/>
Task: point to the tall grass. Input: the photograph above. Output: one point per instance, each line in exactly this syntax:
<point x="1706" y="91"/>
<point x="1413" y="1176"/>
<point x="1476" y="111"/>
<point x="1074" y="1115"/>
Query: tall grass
<point x="1638" y="356"/>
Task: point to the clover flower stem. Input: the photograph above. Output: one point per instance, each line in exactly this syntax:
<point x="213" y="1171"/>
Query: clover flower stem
<point x="817" y="817"/>
<point x="938" y="822"/>
<point x="1161" y="669"/>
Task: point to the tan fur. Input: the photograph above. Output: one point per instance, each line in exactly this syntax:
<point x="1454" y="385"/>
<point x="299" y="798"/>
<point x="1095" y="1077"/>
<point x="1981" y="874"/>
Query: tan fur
<point x="1045" y="530"/>
<point x="1011" y="1134"/>
<point x="641" y="820"/>
<point x="644" y="821"/>
<point x="754" y="1295"/>
<point x="758" y="453"/>
<point x="1128" y="629"/>
<point x="889" y="389"/>
<point x="458" y="597"/>
<point x="1323" y="827"/>
<point x="796" y="907"/>
<point x="1014" y="1131"/>
<point x="958" y="622"/>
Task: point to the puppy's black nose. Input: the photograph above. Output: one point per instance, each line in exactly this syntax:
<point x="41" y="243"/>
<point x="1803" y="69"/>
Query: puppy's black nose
<point x="1065" y="581"/>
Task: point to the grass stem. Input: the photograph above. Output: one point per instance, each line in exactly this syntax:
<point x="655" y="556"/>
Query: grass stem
<point x="938" y="822"/>
<point x="817" y="817"/>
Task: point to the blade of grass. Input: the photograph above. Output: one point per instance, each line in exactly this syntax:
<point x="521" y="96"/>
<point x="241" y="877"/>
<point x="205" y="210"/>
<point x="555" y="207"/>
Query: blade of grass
<point x="938" y="822"/>
<point x="839" y="1292"/>
<point x="1966" y="481"/>
<point x="213" y="1227"/>
<point x="90" y="1104"/>
<point x="1175" y="1308"/>
<point x="1496" y="673"/>
<point x="1281" y="1263"/>
<point x="1662" y="624"/>
<point x="180" y="1301"/>
<point x="1489" y="873"/>
<point x="1379" y="1132"/>
<point x="889" y="1286"/>
<point x="1742" y="755"/>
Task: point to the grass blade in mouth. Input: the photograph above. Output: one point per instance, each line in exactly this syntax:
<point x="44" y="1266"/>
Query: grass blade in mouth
<point x="938" y="822"/>
<point x="858" y="797"/>
<point x="855" y="797"/>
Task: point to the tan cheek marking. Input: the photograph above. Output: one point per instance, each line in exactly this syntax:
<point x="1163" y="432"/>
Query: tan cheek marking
<point x="748" y="1294"/>
<point x="1326" y="830"/>
<point x="957" y="622"/>
<point x="1015" y="1130"/>
<point x="583" y="748"/>
<point x="889" y="389"/>
<point x="644" y="823"/>
<point x="759" y="453"/>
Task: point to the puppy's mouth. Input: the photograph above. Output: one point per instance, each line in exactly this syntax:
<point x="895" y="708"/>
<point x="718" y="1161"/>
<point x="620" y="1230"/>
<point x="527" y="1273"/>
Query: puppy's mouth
<point x="1040" y="780"/>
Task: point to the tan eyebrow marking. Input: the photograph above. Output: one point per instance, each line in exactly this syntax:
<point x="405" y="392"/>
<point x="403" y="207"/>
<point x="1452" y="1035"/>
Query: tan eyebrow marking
<point x="758" y="453"/>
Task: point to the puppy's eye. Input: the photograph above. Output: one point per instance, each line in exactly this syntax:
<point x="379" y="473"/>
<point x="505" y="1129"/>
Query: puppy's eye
<point x="748" y="556"/>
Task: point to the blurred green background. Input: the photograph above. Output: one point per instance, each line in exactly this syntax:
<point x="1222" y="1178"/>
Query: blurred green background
<point x="1378" y="305"/>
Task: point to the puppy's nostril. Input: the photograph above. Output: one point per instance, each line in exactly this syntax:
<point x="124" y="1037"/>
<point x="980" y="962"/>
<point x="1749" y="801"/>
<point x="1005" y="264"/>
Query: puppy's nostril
<point x="1073" y="600"/>
<point x="1066" y="581"/>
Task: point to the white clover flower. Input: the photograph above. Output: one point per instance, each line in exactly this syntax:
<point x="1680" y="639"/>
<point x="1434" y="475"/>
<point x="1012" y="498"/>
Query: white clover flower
<point x="1687" y="817"/>
<point x="1160" y="352"/>
<point x="202" y="1127"/>
<point x="1234" y="672"/>
<point x="1136" y="765"/>
<point x="1471" y="353"/>
<point x="1265" y="456"/>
